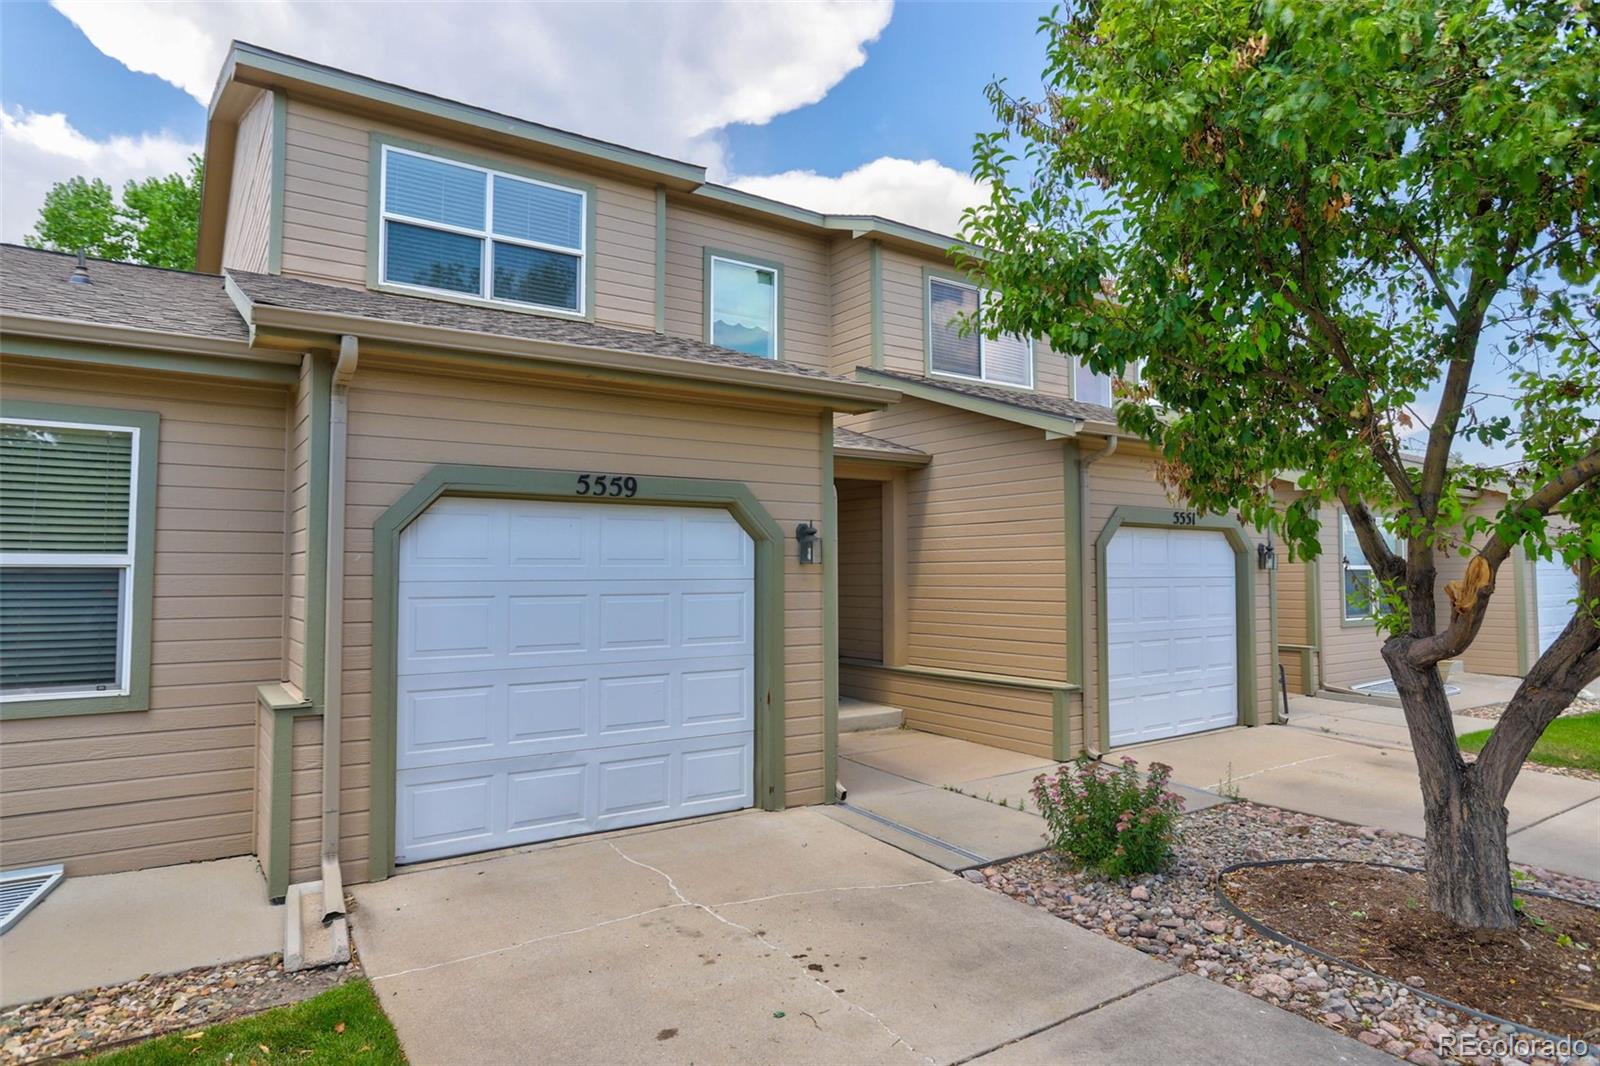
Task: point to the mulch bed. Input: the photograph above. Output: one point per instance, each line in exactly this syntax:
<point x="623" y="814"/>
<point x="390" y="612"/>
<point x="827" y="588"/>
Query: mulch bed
<point x="95" y="1019"/>
<point x="1377" y="918"/>
<point x="1492" y="711"/>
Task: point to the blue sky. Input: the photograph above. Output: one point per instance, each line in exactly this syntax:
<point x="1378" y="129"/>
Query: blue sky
<point x="85" y="90"/>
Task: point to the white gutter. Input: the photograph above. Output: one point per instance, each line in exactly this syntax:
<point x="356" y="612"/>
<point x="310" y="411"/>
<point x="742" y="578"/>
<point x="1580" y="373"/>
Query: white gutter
<point x="1085" y="563"/>
<point x="333" y="628"/>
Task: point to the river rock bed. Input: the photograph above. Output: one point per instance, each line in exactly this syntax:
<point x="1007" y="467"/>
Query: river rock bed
<point x="1175" y="916"/>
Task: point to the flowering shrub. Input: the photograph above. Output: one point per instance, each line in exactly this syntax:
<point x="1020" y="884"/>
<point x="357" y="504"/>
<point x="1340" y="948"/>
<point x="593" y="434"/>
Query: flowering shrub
<point x="1106" y="819"/>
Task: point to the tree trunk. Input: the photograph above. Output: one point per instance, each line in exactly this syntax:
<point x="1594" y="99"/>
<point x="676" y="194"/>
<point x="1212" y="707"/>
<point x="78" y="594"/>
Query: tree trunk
<point x="1468" y="867"/>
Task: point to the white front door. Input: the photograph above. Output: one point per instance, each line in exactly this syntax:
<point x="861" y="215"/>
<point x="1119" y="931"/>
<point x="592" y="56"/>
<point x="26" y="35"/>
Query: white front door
<point x="1172" y="652"/>
<point x="569" y="667"/>
<point x="1555" y="591"/>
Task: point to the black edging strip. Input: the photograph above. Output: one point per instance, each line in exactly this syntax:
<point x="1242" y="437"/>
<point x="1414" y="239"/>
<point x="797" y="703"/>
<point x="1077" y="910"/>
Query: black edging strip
<point x="1283" y="938"/>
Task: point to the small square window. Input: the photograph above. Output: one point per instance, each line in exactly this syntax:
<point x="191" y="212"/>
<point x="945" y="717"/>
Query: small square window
<point x="743" y="305"/>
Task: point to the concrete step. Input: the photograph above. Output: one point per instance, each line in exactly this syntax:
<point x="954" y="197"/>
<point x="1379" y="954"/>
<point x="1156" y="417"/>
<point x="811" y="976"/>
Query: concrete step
<point x="857" y="715"/>
<point x="307" y="942"/>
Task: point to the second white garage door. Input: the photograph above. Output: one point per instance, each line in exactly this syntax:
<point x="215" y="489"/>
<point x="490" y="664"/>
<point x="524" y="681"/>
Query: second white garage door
<point x="1555" y="587"/>
<point x="569" y="667"/>
<point x="1171" y="624"/>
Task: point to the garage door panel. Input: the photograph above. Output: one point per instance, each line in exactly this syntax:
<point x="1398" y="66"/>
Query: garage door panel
<point x="1556" y="591"/>
<point x="566" y="668"/>
<point x="1172" y="651"/>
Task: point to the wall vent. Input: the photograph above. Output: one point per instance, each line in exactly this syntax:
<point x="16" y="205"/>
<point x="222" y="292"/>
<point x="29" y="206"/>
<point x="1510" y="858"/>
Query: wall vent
<point x="20" y="890"/>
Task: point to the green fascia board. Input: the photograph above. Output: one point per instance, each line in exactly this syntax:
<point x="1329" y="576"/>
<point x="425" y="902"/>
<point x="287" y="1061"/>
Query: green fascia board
<point x="1244" y="600"/>
<point x="280" y="154"/>
<point x="339" y="81"/>
<point x="516" y="483"/>
<point x="855" y="225"/>
<point x="283" y="709"/>
<point x="196" y="364"/>
<point x="142" y="594"/>
<point x="317" y="547"/>
<point x="875" y="265"/>
<point x="929" y="273"/>
<point x="708" y="254"/>
<point x="377" y="141"/>
<point x="1060" y="425"/>
<point x="830" y="616"/>
<point x="661" y="259"/>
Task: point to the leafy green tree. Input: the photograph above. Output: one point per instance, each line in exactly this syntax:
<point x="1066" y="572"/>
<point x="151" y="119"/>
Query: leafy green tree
<point x="157" y="222"/>
<point x="1311" y="219"/>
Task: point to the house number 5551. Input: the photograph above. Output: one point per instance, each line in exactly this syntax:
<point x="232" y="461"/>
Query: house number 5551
<point x="1183" y="518"/>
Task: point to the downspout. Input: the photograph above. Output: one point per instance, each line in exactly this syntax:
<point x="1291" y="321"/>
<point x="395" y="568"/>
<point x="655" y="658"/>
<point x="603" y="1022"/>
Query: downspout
<point x="1091" y="712"/>
<point x="333" y="628"/>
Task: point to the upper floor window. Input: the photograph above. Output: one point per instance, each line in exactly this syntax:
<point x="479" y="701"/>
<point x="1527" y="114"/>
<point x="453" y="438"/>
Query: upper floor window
<point x="743" y="305"/>
<point x="1090" y="387"/>
<point x="457" y="228"/>
<point x="67" y="506"/>
<point x="1360" y="584"/>
<point x="1005" y="360"/>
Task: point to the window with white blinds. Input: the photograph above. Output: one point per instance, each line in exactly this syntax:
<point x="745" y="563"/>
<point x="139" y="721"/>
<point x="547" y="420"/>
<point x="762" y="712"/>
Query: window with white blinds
<point x="66" y="557"/>
<point x="1005" y="360"/>
<point x="454" y="227"/>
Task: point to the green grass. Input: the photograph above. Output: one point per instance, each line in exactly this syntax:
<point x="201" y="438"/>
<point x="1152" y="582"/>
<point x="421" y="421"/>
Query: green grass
<point x="343" y="1024"/>
<point x="1573" y="741"/>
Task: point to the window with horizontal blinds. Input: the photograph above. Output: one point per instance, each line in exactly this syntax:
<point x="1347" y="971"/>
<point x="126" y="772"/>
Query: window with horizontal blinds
<point x="1006" y="360"/>
<point x="64" y="488"/>
<point x="66" y="557"/>
<point x="470" y="230"/>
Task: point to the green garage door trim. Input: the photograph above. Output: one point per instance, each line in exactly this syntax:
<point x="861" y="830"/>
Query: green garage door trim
<point x="1244" y="597"/>
<point x="515" y="483"/>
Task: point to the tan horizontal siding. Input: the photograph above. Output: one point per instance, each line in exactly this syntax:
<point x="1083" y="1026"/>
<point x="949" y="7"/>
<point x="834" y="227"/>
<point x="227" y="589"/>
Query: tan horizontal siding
<point x="175" y="783"/>
<point x="247" y="234"/>
<point x="327" y="166"/>
<point x="1012" y="718"/>
<point x="851" y="280"/>
<point x="1495" y="649"/>
<point x="861" y="569"/>
<point x="805" y="289"/>
<point x="404" y="422"/>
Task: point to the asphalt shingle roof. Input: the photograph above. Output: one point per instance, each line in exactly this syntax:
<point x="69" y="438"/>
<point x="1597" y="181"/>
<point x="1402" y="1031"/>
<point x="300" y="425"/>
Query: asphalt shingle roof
<point x="277" y="291"/>
<point x="1026" y="401"/>
<point x="849" y="438"/>
<point x="34" y="282"/>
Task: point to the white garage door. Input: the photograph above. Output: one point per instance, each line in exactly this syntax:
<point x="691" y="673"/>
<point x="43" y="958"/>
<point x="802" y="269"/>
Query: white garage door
<point x="1555" y="591"/>
<point x="1170" y="617"/>
<point x="569" y="667"/>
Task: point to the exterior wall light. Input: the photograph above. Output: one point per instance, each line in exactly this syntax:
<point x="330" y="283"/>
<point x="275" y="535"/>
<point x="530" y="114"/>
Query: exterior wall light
<point x="805" y="534"/>
<point x="1266" y="557"/>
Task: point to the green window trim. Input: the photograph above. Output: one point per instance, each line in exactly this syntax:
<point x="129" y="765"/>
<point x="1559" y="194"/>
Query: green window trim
<point x="378" y="142"/>
<point x="1346" y="619"/>
<point x="830" y="616"/>
<point x="515" y="483"/>
<point x="142" y="553"/>
<point x="1244" y="585"/>
<point x="779" y="283"/>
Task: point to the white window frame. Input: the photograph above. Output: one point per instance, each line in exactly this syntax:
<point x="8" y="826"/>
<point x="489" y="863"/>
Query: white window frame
<point x="486" y="236"/>
<point x="711" y="299"/>
<point x="1134" y="376"/>
<point x="1347" y="535"/>
<point x="91" y="561"/>
<point x="983" y="341"/>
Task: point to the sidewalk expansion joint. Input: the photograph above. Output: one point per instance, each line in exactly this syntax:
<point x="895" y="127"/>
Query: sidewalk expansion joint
<point x="1135" y="990"/>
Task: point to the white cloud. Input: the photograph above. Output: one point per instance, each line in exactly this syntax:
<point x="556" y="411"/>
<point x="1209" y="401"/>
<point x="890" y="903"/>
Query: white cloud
<point x="659" y="76"/>
<point x="922" y="193"/>
<point x="38" y="150"/>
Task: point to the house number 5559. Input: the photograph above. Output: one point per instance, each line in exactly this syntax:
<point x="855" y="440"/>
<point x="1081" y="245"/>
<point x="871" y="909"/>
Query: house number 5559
<point x="607" y="485"/>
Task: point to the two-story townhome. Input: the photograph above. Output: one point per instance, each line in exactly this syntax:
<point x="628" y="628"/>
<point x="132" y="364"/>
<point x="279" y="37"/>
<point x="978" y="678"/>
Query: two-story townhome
<point x="489" y="484"/>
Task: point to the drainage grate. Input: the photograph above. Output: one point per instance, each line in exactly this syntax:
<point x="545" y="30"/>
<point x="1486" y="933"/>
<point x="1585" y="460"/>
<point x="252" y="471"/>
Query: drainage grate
<point x="1386" y="688"/>
<point x="20" y="890"/>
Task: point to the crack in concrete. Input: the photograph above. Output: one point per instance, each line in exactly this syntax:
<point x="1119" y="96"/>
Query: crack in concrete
<point x="1269" y="769"/>
<point x="531" y="941"/>
<point x="762" y="938"/>
<point x="840" y="888"/>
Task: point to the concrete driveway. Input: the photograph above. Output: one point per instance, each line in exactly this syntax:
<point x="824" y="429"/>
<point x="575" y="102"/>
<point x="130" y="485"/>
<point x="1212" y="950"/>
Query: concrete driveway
<point x="777" y="938"/>
<point x="1353" y="762"/>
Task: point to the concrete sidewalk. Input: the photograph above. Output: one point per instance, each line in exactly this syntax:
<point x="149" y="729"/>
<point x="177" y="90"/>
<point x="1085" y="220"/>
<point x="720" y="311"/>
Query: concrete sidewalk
<point x="951" y="802"/>
<point x="777" y="938"/>
<point x="1353" y="762"/>
<point x="103" y="930"/>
